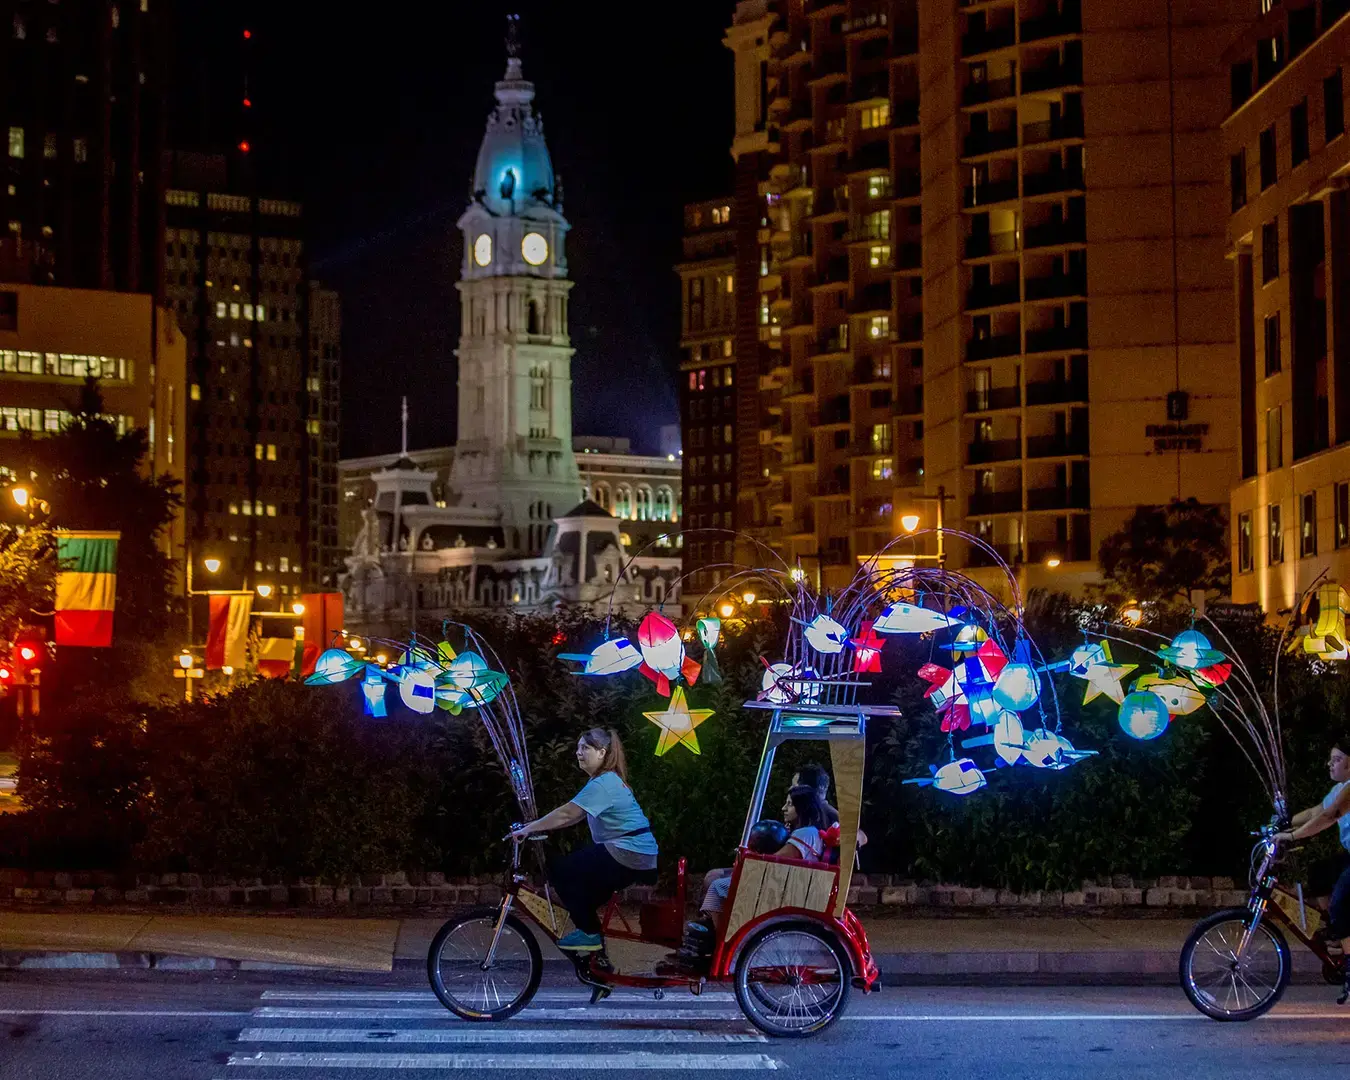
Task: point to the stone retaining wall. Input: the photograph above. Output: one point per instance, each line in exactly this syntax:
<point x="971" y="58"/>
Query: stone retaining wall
<point x="410" y="889"/>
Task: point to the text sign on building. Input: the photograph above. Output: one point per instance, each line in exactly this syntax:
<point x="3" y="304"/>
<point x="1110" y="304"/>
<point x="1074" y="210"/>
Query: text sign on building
<point x="1177" y="436"/>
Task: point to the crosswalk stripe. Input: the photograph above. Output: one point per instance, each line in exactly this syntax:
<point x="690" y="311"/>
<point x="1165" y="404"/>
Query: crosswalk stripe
<point x="596" y="1014"/>
<point x="479" y="1033"/>
<point x="578" y="996"/>
<point x="588" y="1062"/>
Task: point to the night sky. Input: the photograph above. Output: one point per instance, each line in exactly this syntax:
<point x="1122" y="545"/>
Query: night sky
<point x="374" y="120"/>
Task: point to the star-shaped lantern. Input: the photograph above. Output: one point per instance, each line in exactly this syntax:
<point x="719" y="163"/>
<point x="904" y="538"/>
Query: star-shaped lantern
<point x="677" y="723"/>
<point x="1105" y="679"/>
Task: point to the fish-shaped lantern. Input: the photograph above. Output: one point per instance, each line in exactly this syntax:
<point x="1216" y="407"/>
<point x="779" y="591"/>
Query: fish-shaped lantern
<point x="825" y="635"/>
<point x="960" y="777"/>
<point x="905" y="618"/>
<point x="1181" y="696"/>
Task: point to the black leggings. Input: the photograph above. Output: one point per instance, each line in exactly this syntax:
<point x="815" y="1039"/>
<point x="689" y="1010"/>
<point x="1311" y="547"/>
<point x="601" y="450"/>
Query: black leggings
<point x="1340" y="906"/>
<point x="587" y="878"/>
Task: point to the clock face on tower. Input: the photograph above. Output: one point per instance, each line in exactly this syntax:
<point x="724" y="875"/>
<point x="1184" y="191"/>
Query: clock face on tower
<point x="534" y="248"/>
<point x="482" y="249"/>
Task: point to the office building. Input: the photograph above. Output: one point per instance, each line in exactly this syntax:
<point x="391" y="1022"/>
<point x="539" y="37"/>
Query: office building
<point x="1289" y="254"/>
<point x="82" y="110"/>
<point x="990" y="269"/>
<point x="264" y="359"/>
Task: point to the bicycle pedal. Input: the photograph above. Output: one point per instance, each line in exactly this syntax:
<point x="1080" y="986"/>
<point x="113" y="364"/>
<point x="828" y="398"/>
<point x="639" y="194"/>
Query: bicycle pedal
<point x="599" y="993"/>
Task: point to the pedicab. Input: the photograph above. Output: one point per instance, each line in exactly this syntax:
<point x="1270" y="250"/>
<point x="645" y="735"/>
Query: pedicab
<point x="786" y="940"/>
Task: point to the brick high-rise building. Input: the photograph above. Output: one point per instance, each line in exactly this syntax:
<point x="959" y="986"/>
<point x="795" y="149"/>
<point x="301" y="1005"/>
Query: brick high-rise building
<point x="263" y="363"/>
<point x="990" y="267"/>
<point x="1289" y="248"/>
<point x="82" y="111"/>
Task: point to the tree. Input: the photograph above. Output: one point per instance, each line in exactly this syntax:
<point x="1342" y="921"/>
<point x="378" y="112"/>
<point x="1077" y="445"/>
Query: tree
<point x="1162" y="553"/>
<point x="94" y="477"/>
<point x="27" y="571"/>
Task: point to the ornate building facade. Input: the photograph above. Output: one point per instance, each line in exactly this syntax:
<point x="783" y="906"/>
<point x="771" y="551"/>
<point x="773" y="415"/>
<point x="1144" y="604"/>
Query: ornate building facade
<point x="503" y="519"/>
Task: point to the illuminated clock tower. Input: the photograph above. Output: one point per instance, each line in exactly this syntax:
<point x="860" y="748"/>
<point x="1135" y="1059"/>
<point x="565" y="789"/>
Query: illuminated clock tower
<point x="514" y="449"/>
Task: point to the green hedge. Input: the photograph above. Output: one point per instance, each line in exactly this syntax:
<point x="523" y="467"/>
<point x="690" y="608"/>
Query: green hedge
<point x="277" y="778"/>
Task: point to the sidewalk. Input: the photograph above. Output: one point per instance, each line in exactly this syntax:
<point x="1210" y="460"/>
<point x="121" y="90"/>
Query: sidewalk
<point x="1009" y="947"/>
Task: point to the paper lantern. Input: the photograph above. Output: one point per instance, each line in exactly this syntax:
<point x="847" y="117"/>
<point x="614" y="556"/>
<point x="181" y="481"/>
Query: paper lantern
<point x="372" y="687"/>
<point x="905" y="618"/>
<point x="1143" y="715"/>
<point x="992" y="658"/>
<point x="984" y="708"/>
<point x="1085" y="657"/>
<point x="1181" y="696"/>
<point x="677" y="722"/>
<point x="417" y="689"/>
<point x="1215" y="675"/>
<point x="1017" y="687"/>
<point x="1331" y="604"/>
<point x="867" y="649"/>
<point x="469" y="682"/>
<point x="660" y="644"/>
<point x="1189" y="650"/>
<point x="1041" y="748"/>
<point x="1009" y="737"/>
<point x="709" y="631"/>
<point x="612" y="658"/>
<point x="825" y="635"/>
<point x="969" y="638"/>
<point x="1105" y="679"/>
<point x="960" y="777"/>
<point x="334" y="666"/>
<point x="784" y="684"/>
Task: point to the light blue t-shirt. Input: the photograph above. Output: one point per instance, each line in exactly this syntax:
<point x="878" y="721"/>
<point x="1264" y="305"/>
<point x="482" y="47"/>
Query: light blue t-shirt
<point x="1343" y="822"/>
<point x="611" y="811"/>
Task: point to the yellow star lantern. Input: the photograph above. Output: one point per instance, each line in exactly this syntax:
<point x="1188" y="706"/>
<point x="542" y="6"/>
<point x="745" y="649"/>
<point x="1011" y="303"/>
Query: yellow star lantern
<point x="677" y="722"/>
<point x="1105" y="679"/>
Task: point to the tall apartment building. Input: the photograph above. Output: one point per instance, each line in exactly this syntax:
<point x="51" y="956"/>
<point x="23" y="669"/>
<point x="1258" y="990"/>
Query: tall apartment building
<point x="1289" y="247"/>
<point x="991" y="269"/>
<point x="263" y="359"/>
<point x="708" y="386"/>
<point x="82" y="110"/>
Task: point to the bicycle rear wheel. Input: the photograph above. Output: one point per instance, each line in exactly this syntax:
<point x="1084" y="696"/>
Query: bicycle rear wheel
<point x="472" y="989"/>
<point x="1222" y="985"/>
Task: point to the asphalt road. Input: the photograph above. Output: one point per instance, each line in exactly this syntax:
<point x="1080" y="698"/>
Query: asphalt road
<point x="123" y="1025"/>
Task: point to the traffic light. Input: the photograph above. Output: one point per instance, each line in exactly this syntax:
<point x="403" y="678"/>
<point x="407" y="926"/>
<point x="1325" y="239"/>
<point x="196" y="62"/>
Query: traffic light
<point x="27" y="655"/>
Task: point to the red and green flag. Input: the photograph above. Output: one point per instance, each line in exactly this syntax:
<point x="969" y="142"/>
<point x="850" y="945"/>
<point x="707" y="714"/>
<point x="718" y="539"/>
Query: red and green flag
<point x="86" y="587"/>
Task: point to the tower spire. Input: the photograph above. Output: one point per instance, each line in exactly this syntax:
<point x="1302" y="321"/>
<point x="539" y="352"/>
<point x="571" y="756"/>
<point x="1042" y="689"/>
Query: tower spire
<point x="405" y="426"/>
<point x="513" y="37"/>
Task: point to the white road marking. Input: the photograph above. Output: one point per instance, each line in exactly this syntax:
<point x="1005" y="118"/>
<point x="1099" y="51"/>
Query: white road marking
<point x="123" y="1012"/>
<point x="480" y="1033"/>
<point x="1051" y="1018"/>
<point x="587" y="1062"/>
<point x="597" y="1014"/>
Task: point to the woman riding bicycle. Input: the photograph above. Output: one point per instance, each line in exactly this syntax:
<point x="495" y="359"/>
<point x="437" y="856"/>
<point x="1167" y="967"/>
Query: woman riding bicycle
<point x="1332" y="810"/>
<point x="622" y="851"/>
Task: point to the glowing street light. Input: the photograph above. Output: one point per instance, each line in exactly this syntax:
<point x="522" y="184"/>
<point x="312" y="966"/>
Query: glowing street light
<point x="748" y="597"/>
<point x="1132" y="613"/>
<point x="909" y="522"/>
<point x="264" y="591"/>
<point x="212" y="565"/>
<point x="19" y="495"/>
<point x="726" y="609"/>
<point x="185" y="660"/>
<point x="298" y="608"/>
<point x="1052" y="561"/>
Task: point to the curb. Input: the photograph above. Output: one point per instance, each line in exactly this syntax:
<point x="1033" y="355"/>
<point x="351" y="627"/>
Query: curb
<point x="897" y="969"/>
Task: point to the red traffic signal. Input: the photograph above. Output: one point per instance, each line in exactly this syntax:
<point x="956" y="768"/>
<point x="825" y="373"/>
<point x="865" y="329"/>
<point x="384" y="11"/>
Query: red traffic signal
<point x="5" y="674"/>
<point x="27" y="654"/>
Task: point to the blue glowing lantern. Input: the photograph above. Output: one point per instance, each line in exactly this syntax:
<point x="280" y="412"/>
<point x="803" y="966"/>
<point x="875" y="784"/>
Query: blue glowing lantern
<point x="1088" y="656"/>
<point x="1017" y="687"/>
<point x="983" y="708"/>
<point x="612" y="657"/>
<point x="417" y="687"/>
<point x="334" y="666"/>
<point x="372" y="686"/>
<point x="825" y="635"/>
<point x="1143" y="715"/>
<point x="1190" y="649"/>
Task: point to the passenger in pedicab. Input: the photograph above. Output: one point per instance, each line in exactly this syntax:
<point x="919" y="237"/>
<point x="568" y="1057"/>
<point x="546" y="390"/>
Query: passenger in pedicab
<point x="622" y="851"/>
<point x="812" y="775"/>
<point x="798" y="836"/>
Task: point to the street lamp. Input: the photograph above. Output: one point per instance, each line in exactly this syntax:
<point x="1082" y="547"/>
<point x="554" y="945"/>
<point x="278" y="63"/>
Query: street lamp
<point x="20" y="496"/>
<point x="1052" y="561"/>
<point x="185" y="660"/>
<point x="909" y="522"/>
<point x="298" y="608"/>
<point x="264" y="590"/>
<point x="187" y="672"/>
<point x="749" y="598"/>
<point x="212" y="565"/>
<point x="727" y="609"/>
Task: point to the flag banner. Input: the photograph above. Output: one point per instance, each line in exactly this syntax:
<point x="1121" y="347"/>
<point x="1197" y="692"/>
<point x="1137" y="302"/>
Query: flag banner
<point x="86" y="588"/>
<point x="322" y="619"/>
<point x="275" y="656"/>
<point x="227" y="638"/>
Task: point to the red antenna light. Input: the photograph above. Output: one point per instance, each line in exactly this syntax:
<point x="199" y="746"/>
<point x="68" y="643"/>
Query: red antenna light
<point x="243" y="146"/>
<point x="248" y="34"/>
<point x="248" y="103"/>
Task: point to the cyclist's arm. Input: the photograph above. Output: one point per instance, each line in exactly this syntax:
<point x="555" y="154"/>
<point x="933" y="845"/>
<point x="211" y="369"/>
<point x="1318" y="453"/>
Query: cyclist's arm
<point x="1304" y="816"/>
<point x="569" y="813"/>
<point x="1321" y="819"/>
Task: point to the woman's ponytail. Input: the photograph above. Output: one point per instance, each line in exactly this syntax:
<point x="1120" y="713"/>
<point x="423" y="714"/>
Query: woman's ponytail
<point x="607" y="739"/>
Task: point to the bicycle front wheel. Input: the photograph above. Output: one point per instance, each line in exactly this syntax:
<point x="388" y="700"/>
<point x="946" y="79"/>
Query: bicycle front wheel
<point x="467" y="984"/>
<point x="1223" y="985"/>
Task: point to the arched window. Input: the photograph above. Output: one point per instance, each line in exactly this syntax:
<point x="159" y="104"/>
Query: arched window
<point x="623" y="501"/>
<point x="664" y="504"/>
<point x="602" y="496"/>
<point x="644" y="503"/>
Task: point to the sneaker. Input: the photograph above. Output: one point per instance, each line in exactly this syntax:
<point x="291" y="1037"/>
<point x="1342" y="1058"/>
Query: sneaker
<point x="580" y="941"/>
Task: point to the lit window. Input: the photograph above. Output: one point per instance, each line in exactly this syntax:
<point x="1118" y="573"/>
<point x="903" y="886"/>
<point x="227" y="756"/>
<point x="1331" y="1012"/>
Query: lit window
<point x="234" y="311"/>
<point x="879" y="326"/>
<point x="261" y="313"/>
<point x="312" y="427"/>
<point x="730" y="283"/>
<point x="196" y="392"/>
<point x="879" y="186"/>
<point x="285" y="565"/>
<point x="49" y="146"/>
<point x="220" y="309"/>
<point x="879" y="255"/>
<point x="258" y="451"/>
<point x="248" y="509"/>
<point x="248" y="311"/>
<point x="271" y="510"/>
<point x="16" y="142"/>
<point x="881" y="436"/>
<point x="876" y="116"/>
<point x="234" y="508"/>
<point x="271" y="451"/>
<point x="881" y="469"/>
<point x="257" y="565"/>
<point x="258" y="508"/>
